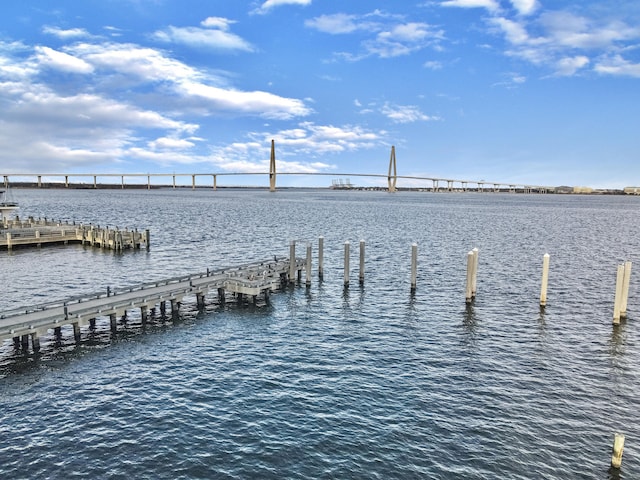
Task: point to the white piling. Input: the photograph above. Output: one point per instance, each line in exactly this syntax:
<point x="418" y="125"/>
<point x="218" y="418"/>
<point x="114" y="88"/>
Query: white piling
<point x="618" y="447"/>
<point x="308" y="265"/>
<point x="545" y="280"/>
<point x="618" y="298"/>
<point x="469" y="289"/>
<point x="346" y="263"/>
<point x="321" y="257"/>
<point x="474" y="282"/>
<point x="361" y="277"/>
<point x="292" y="261"/>
<point x="625" y="289"/>
<point x="414" y="266"/>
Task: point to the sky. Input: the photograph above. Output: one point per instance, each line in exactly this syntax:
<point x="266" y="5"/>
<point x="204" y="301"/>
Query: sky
<point x="539" y="92"/>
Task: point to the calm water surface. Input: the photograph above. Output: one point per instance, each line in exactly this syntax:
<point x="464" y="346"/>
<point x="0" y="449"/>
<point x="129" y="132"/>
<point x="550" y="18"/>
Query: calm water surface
<point x="368" y="382"/>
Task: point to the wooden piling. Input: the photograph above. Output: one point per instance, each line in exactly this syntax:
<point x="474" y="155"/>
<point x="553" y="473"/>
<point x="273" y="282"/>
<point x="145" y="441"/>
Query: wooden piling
<point x="469" y="286"/>
<point x="361" y="276"/>
<point x="292" y="261"/>
<point x="625" y="289"/>
<point x="618" y="447"/>
<point x="76" y="332"/>
<point x="545" y="280"/>
<point x="474" y="282"/>
<point x="321" y="257"/>
<point x="113" y="321"/>
<point x="618" y="296"/>
<point x="347" y="245"/>
<point x="308" y="266"/>
<point x="414" y="266"/>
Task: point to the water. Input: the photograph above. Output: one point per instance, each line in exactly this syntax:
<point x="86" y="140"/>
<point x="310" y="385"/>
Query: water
<point x="326" y="383"/>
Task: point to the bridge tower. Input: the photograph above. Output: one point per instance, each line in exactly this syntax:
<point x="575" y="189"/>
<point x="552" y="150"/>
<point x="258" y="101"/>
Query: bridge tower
<point x="392" y="168"/>
<point x="272" y="168"/>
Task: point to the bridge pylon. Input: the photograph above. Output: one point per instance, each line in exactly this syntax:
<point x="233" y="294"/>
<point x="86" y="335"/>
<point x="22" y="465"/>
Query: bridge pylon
<point x="272" y="168"/>
<point x="392" y="179"/>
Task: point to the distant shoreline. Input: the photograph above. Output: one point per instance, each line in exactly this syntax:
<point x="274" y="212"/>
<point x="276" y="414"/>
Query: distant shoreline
<point x="117" y="186"/>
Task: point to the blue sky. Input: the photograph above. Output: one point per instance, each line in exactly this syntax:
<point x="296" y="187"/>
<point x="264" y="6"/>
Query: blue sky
<point x="522" y="91"/>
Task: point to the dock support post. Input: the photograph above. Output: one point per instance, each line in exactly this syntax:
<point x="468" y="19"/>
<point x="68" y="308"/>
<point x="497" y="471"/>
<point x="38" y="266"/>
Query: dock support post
<point x="545" y="280"/>
<point x="113" y="320"/>
<point x="321" y="257"/>
<point x="468" y="292"/>
<point x="200" y="300"/>
<point x="175" y="306"/>
<point x="618" y="447"/>
<point x="163" y="308"/>
<point x="25" y="343"/>
<point x="148" y="182"/>
<point x="240" y="298"/>
<point x="92" y="324"/>
<point x="35" y="342"/>
<point x="76" y="332"/>
<point x="16" y="343"/>
<point x="215" y="183"/>
<point x="292" y="261"/>
<point x="308" y="266"/>
<point x="9" y="244"/>
<point x="361" y="275"/>
<point x="346" y="263"/>
<point x="414" y="266"/>
<point x="95" y="181"/>
<point x="221" y="298"/>
<point x="147" y="236"/>
<point x="39" y="181"/>
<point x="144" y="314"/>
<point x="193" y="182"/>
<point x="57" y="332"/>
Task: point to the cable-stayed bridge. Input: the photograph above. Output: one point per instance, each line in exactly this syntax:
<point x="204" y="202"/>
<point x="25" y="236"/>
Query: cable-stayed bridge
<point x="155" y="179"/>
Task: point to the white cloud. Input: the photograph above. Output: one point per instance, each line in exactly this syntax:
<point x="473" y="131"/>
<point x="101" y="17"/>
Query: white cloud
<point x="308" y="140"/>
<point x="62" y="61"/>
<point x="616" y="65"/>
<point x="491" y="5"/>
<point x="405" y="113"/>
<point x="568" y="66"/>
<point x="337" y="23"/>
<point x="215" y="35"/>
<point x="170" y="143"/>
<point x="389" y="37"/>
<point x="66" y="34"/>
<point x="525" y="7"/>
<point x="268" y="5"/>
<point x="259" y="103"/>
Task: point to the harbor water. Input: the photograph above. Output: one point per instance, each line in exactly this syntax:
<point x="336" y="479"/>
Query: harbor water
<point x="326" y="382"/>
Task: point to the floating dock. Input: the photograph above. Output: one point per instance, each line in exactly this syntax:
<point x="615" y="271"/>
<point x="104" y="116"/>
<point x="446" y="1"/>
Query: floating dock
<point x="246" y="282"/>
<point x="32" y="232"/>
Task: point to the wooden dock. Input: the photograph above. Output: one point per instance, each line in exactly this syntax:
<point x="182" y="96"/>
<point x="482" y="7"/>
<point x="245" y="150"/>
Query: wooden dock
<point x="40" y="232"/>
<point x="245" y="282"/>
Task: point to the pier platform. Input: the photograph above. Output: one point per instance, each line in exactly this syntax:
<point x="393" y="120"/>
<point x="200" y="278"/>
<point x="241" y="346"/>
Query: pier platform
<point x="32" y="232"/>
<point x="246" y="282"/>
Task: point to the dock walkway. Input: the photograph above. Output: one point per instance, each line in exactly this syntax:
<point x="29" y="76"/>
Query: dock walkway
<point x="38" y="232"/>
<point x="246" y="281"/>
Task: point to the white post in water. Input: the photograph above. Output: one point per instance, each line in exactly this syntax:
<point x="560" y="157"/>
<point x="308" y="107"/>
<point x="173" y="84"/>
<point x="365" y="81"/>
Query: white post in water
<point x="346" y="263"/>
<point x="361" y="278"/>
<point x="545" y="280"/>
<point x="474" y="282"/>
<point x="308" y="265"/>
<point x="618" y="298"/>
<point x="321" y="257"/>
<point x="625" y="289"/>
<point x="618" y="447"/>
<point x="414" y="266"/>
<point x="469" y="289"/>
<point x="292" y="261"/>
